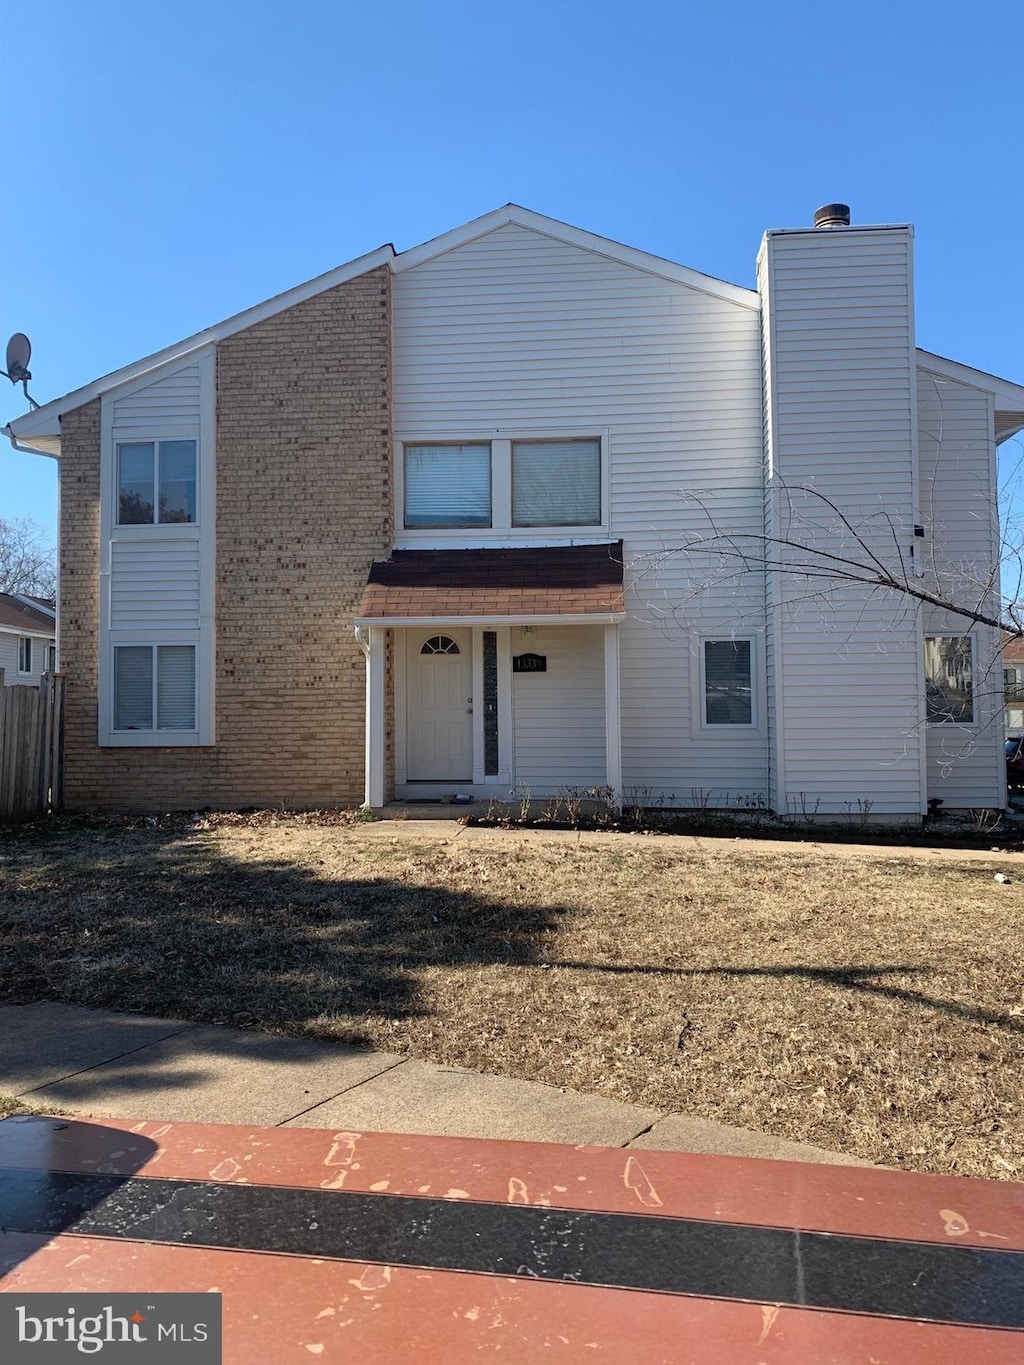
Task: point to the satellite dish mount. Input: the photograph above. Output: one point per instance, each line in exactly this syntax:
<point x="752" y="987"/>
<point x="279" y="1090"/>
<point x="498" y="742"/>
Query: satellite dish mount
<point x="19" y="353"/>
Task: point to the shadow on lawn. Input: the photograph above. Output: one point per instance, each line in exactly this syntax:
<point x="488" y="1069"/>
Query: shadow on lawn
<point x="165" y="924"/>
<point x="841" y="978"/>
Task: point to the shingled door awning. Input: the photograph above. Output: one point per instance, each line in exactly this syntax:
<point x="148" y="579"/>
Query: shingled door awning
<point x="563" y="581"/>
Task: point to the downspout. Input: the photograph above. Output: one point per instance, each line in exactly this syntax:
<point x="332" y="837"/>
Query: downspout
<point x="51" y="455"/>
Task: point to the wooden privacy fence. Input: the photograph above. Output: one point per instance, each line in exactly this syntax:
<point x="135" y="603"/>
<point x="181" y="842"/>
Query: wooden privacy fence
<point x="31" y="734"/>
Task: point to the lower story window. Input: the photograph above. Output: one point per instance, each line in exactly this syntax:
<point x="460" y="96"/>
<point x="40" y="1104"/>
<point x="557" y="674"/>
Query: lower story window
<point x="728" y="687"/>
<point x="154" y="687"/>
<point x="949" y="680"/>
<point x="25" y="654"/>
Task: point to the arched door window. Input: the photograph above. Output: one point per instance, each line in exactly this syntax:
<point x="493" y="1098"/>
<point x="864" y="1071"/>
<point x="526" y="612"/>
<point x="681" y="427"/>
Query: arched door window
<point x="439" y="644"/>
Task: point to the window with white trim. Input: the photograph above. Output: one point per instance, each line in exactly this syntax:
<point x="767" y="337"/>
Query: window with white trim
<point x="521" y="483"/>
<point x="154" y="688"/>
<point x="556" y="483"/>
<point x="949" y="680"/>
<point x="727" y="670"/>
<point x="51" y="658"/>
<point x="25" y="654"/>
<point x="156" y="483"/>
<point x="447" y="485"/>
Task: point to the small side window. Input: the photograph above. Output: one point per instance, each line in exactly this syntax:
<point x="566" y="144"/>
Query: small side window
<point x="728" y="684"/>
<point x="949" y="680"/>
<point x="25" y="654"/>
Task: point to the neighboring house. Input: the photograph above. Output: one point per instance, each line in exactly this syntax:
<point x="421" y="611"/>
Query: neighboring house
<point x="477" y="463"/>
<point x="1013" y="687"/>
<point x="28" y="642"/>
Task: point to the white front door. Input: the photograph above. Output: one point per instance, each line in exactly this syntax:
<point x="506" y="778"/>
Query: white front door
<point x="440" y="706"/>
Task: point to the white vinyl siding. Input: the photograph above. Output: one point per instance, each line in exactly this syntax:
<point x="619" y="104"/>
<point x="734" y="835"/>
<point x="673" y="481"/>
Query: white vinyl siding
<point x="10" y="651"/>
<point x="526" y="337"/>
<point x="157" y="578"/>
<point x="154" y="587"/>
<point x="841" y="394"/>
<point x="558" y="716"/>
<point x="170" y="401"/>
<point x="957" y="556"/>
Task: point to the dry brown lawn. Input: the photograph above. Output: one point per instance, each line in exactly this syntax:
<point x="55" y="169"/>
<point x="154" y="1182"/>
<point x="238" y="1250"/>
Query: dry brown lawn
<point x="875" y="1006"/>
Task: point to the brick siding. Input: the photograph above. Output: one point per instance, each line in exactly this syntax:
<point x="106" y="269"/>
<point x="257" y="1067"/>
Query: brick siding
<point x="304" y="494"/>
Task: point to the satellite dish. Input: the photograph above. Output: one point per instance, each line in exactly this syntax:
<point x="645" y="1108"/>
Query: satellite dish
<point x="19" y="353"/>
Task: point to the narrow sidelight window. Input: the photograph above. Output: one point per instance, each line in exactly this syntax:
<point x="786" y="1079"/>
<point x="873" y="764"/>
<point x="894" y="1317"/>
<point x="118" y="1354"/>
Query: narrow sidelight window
<point x="25" y="654"/>
<point x="490" y="703"/>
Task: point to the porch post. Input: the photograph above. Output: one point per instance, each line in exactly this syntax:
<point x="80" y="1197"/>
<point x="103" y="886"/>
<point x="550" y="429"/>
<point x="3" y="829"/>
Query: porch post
<point x="612" y="713"/>
<point x="376" y="713"/>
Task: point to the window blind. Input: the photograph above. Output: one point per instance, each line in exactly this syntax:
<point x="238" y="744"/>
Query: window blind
<point x="133" y="687"/>
<point x="448" y="485"/>
<point x="556" y="483"/>
<point x="176" y="687"/>
<point x="727" y="690"/>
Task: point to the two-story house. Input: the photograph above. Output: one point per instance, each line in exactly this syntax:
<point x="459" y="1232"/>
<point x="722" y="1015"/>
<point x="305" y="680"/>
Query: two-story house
<point x="523" y="508"/>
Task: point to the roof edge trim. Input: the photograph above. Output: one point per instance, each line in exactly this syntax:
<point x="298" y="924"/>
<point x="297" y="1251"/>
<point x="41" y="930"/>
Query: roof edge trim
<point x="573" y="236"/>
<point x="45" y="421"/>
<point x="1012" y="394"/>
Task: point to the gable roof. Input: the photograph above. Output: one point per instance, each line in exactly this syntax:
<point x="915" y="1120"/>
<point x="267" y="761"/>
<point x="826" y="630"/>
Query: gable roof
<point x="16" y="613"/>
<point x="1009" y="398"/>
<point x="40" y="430"/>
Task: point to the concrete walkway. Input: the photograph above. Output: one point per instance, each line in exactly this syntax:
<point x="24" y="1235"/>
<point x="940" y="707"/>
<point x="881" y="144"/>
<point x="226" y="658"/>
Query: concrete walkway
<point x="68" y="1060"/>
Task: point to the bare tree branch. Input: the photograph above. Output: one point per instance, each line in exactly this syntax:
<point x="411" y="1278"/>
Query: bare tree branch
<point x="26" y="560"/>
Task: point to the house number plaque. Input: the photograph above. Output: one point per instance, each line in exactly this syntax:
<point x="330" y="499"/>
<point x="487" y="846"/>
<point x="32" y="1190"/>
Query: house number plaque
<point x="529" y="663"/>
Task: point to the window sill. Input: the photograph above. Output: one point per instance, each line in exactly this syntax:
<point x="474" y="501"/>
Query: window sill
<point x="150" y="739"/>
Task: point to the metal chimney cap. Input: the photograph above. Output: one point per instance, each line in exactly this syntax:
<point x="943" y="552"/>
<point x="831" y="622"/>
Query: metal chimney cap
<point x="832" y="215"/>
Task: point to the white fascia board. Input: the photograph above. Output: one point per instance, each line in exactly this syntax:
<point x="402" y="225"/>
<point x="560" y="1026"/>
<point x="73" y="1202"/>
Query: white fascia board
<point x="39" y="632"/>
<point x="573" y="236"/>
<point x="842" y="228"/>
<point x="1008" y="396"/>
<point x="593" y="618"/>
<point x="44" y="423"/>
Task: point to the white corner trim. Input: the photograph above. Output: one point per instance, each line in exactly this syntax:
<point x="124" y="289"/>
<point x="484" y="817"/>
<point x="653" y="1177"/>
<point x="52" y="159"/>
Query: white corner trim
<point x="613" y="714"/>
<point x="376" y="716"/>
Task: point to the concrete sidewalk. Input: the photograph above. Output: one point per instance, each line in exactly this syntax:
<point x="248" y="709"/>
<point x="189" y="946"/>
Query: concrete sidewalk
<point x="61" y="1058"/>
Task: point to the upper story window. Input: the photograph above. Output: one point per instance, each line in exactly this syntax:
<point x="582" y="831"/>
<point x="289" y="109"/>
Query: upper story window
<point x="156" y="482"/>
<point x="556" y="483"/>
<point x="503" y="483"/>
<point x="447" y="485"/>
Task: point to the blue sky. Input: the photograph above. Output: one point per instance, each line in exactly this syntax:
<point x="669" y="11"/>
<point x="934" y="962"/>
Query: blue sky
<point x="169" y="165"/>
